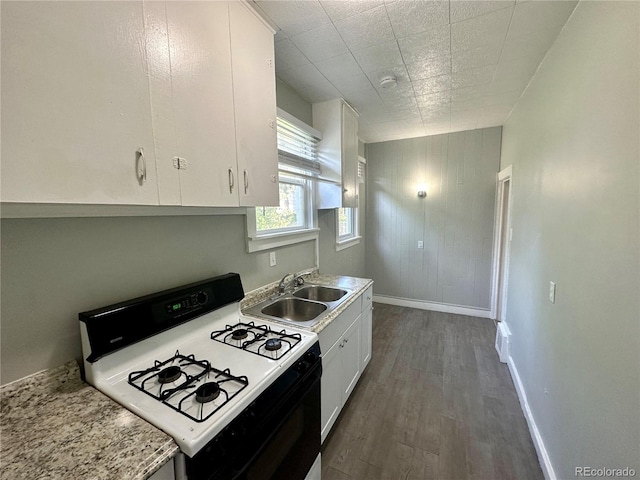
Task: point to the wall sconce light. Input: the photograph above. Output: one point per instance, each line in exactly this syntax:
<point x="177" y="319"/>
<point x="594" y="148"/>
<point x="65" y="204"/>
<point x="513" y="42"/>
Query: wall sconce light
<point x="422" y="193"/>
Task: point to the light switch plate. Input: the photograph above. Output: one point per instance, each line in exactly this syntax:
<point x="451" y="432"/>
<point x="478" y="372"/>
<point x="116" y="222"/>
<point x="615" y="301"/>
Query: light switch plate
<point x="552" y="292"/>
<point x="420" y="244"/>
<point x="272" y="259"/>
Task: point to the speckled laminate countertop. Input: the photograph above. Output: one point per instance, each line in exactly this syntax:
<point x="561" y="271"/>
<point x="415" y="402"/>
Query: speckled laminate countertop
<point x="356" y="285"/>
<point x="55" y="426"/>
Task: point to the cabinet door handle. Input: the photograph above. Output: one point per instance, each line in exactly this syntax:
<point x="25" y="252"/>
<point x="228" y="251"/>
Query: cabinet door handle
<point x="231" y="181"/>
<point x="141" y="166"/>
<point x="346" y="340"/>
<point x="246" y="181"/>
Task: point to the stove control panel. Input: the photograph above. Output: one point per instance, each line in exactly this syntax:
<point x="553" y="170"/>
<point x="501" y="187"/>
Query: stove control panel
<point x="186" y="303"/>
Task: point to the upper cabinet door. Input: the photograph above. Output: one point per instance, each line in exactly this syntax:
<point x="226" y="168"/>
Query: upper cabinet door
<point x="75" y="104"/>
<point x="200" y="56"/>
<point x="349" y="157"/>
<point x="254" y="95"/>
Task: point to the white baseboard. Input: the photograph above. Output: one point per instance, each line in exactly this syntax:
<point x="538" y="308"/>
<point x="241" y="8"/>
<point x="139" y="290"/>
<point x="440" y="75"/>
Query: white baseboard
<point x="543" y="456"/>
<point x="435" y="307"/>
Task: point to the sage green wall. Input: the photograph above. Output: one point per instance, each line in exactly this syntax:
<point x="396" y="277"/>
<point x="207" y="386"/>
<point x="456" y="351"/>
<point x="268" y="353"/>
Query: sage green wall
<point x="54" y="268"/>
<point x="573" y="141"/>
<point x="292" y="103"/>
<point x="455" y="220"/>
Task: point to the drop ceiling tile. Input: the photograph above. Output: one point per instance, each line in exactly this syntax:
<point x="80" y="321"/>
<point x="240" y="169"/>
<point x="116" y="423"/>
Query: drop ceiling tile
<point x="530" y="17"/>
<point x="341" y="67"/>
<point x="309" y="83"/>
<point x="354" y="85"/>
<point x="383" y="55"/>
<point x="470" y="78"/>
<point x="339" y="9"/>
<point x="434" y="100"/>
<point x="320" y="43"/>
<point x="463" y="10"/>
<point x="366" y="29"/>
<point x="294" y="16"/>
<point x="476" y="57"/>
<point x="435" y="116"/>
<point x="288" y="56"/>
<point x="484" y="30"/>
<point x="433" y="67"/>
<point x="414" y="16"/>
<point x="434" y="43"/>
<point x="432" y="85"/>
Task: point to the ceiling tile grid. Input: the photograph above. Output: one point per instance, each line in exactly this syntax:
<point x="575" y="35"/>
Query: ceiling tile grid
<point x="459" y="64"/>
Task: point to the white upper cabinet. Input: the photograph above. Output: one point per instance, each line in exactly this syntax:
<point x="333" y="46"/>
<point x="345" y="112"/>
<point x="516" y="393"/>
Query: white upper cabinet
<point x="192" y="97"/>
<point x="254" y="96"/>
<point x="338" y="153"/>
<point x="75" y="104"/>
<point x="138" y="103"/>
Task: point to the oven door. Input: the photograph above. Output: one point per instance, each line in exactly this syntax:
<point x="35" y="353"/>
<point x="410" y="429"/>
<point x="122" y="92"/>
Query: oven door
<point x="278" y="439"/>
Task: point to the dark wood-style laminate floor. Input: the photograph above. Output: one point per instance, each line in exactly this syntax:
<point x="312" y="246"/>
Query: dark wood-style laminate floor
<point x="434" y="403"/>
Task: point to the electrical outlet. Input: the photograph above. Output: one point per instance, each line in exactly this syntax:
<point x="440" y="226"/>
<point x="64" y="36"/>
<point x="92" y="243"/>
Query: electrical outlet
<point x="272" y="259"/>
<point x="420" y="244"/>
<point x="552" y="292"/>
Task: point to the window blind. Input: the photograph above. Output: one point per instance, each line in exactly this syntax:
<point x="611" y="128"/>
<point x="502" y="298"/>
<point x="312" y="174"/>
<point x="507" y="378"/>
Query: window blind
<point x="297" y="149"/>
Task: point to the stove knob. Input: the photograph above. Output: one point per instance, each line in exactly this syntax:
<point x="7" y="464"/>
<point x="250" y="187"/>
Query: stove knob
<point x="301" y="367"/>
<point x="202" y="297"/>
<point x="310" y="357"/>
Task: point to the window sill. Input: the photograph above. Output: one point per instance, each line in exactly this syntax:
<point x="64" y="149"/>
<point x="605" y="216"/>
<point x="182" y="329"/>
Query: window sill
<point x="344" y="244"/>
<point x="275" y="240"/>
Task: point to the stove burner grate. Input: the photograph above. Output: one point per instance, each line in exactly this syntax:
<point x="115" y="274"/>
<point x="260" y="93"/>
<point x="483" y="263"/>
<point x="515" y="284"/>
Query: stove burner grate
<point x="260" y="339"/>
<point x="178" y="383"/>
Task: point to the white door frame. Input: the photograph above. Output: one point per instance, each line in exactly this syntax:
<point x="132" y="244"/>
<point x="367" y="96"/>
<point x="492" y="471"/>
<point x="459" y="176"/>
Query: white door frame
<point x="503" y="178"/>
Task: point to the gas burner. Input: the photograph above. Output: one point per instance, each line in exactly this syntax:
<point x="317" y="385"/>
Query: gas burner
<point x="169" y="374"/>
<point x="260" y="339"/>
<point x="189" y="386"/>
<point x="207" y="392"/>
<point x="273" y="344"/>
<point x="240" y="334"/>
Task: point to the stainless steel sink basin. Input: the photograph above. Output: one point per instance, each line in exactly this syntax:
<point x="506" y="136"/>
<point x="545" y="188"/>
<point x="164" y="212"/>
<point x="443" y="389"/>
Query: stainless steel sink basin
<point x="294" y="309"/>
<point x="320" y="293"/>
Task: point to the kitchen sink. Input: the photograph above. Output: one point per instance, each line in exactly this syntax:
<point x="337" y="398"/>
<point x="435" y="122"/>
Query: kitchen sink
<point x="294" y="309"/>
<point x="320" y="293"/>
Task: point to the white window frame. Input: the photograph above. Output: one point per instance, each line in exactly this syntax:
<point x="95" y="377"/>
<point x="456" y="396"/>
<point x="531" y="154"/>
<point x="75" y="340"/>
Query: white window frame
<point x="257" y="241"/>
<point x="346" y="241"/>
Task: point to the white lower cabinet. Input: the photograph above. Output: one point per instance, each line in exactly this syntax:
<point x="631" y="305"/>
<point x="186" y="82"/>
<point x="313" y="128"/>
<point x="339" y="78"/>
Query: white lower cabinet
<point x="346" y="349"/>
<point x="366" y="329"/>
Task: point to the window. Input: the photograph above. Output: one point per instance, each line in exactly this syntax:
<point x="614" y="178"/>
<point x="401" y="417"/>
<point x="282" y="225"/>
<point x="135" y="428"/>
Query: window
<point x="346" y="223"/>
<point x="346" y="228"/>
<point x="294" y="220"/>
<point x="347" y="233"/>
<point x="292" y="214"/>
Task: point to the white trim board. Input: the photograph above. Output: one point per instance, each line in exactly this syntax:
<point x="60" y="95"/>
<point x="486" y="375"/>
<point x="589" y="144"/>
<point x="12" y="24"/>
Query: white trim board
<point x="543" y="456"/>
<point x="433" y="306"/>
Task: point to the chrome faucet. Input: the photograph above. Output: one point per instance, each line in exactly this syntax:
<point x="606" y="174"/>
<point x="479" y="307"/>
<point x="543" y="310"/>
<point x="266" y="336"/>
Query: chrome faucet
<point x="298" y="279"/>
<point x="282" y="286"/>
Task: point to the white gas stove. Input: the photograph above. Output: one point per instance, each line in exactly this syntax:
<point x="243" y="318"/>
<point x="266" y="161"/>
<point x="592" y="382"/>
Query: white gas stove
<point x="187" y="361"/>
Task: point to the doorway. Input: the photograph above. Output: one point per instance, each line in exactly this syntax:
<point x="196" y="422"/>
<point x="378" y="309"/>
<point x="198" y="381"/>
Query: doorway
<point x="502" y="242"/>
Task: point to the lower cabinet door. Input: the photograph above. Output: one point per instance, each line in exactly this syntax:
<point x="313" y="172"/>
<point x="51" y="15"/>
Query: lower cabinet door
<point x="330" y="388"/>
<point x="351" y="363"/>
<point x="366" y="334"/>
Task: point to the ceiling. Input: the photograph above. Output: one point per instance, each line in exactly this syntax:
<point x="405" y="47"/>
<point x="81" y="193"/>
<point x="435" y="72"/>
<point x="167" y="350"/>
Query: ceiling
<point x="459" y="65"/>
